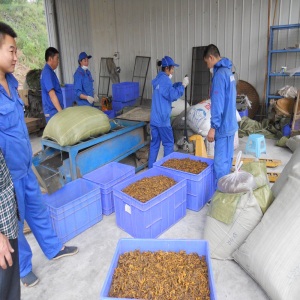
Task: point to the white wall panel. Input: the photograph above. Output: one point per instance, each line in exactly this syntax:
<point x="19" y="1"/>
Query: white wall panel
<point x="170" y="27"/>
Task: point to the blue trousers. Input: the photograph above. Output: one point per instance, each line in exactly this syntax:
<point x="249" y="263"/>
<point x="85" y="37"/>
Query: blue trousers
<point x="34" y="211"/>
<point x="224" y="149"/>
<point x="160" y="134"/>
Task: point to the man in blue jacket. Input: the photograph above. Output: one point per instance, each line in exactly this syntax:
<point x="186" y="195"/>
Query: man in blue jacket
<point x="83" y="81"/>
<point x="223" y="110"/>
<point x="52" y="96"/>
<point x="164" y="93"/>
<point x="16" y="148"/>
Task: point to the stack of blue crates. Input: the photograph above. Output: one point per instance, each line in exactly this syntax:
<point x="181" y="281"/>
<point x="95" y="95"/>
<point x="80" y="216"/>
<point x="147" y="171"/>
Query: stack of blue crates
<point x="74" y="208"/>
<point x="124" y="94"/>
<point x="200" y="187"/>
<point x="106" y="177"/>
<point x="150" y="219"/>
<point x="68" y="95"/>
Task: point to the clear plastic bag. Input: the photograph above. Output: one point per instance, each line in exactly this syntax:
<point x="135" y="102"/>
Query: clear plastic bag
<point x="237" y="182"/>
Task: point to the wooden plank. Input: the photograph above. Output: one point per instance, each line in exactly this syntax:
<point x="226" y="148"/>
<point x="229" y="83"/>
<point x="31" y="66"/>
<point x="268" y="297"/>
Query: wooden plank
<point x="40" y="179"/>
<point x="273" y="176"/>
<point x="26" y="228"/>
<point x="32" y="124"/>
<point x="137" y="114"/>
<point x="270" y="163"/>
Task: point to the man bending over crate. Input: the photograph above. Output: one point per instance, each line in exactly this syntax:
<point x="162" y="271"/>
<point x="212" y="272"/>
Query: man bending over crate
<point x="16" y="148"/>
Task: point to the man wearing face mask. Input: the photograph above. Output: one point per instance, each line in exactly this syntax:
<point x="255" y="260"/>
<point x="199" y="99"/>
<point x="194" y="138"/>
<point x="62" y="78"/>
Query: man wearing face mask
<point x="164" y="93"/>
<point x="83" y="82"/>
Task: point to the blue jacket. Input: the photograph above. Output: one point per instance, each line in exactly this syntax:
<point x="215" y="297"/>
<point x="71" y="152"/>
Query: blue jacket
<point x="83" y="84"/>
<point x="49" y="81"/>
<point x="164" y="93"/>
<point x="14" y="137"/>
<point x="223" y="99"/>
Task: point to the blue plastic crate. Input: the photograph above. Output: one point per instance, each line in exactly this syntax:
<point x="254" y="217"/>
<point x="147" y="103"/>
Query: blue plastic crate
<point x="243" y="113"/>
<point x="125" y="91"/>
<point x="120" y="105"/>
<point x="200" y="247"/>
<point x="150" y="219"/>
<point x="110" y="113"/>
<point x="200" y="187"/>
<point x="74" y="208"/>
<point x="106" y="177"/>
<point x="68" y="95"/>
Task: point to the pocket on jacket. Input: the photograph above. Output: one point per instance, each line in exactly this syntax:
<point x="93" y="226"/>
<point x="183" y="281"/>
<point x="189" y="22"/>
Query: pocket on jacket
<point x="8" y="116"/>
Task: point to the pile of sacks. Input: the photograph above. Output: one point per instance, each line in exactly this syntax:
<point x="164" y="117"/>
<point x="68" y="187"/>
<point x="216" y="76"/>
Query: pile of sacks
<point x="264" y="241"/>
<point x="237" y="207"/>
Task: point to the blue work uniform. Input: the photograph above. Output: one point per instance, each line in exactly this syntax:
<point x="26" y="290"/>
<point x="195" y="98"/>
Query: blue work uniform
<point x="83" y="84"/>
<point x="49" y="81"/>
<point x="223" y="116"/>
<point x="16" y="148"/>
<point x="164" y="93"/>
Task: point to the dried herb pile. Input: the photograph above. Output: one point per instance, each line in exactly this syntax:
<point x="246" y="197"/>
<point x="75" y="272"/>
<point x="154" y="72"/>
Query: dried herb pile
<point x="161" y="276"/>
<point x="186" y="165"/>
<point x="149" y="187"/>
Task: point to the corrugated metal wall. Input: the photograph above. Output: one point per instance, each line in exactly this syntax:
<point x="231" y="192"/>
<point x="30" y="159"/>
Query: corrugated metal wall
<point x="168" y="27"/>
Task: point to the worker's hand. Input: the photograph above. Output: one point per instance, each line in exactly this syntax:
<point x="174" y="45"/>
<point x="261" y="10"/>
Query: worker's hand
<point x="211" y="135"/>
<point x="5" y="252"/>
<point x="185" y="81"/>
<point x="96" y="98"/>
<point x="90" y="99"/>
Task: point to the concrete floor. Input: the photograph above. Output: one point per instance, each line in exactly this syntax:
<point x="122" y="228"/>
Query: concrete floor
<point x="82" y="276"/>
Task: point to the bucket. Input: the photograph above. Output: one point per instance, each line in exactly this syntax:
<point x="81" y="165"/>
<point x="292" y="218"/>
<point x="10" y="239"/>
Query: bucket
<point x="243" y="113"/>
<point x="286" y="130"/>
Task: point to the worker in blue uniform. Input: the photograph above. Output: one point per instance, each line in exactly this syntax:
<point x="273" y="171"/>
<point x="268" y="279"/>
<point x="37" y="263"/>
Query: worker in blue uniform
<point x="83" y="82"/>
<point x="16" y="148"/>
<point x="52" y="96"/>
<point x="164" y="93"/>
<point x="223" y="110"/>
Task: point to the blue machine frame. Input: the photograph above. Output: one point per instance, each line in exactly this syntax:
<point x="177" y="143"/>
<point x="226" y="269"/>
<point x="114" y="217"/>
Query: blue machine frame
<point x="125" y="138"/>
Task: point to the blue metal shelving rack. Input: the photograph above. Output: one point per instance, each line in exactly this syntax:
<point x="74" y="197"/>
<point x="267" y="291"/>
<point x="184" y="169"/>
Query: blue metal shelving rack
<point x="272" y="51"/>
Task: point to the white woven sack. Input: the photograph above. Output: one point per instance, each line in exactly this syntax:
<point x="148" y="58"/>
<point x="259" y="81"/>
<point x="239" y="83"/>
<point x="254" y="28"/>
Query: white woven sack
<point x="236" y="142"/>
<point x="223" y="238"/>
<point x="178" y="107"/>
<point x="293" y="165"/>
<point x="210" y="148"/>
<point x="293" y="142"/>
<point x="270" y="255"/>
<point x="198" y="117"/>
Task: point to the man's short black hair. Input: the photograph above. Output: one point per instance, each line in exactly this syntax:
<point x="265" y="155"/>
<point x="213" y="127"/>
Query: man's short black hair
<point x="50" y="52"/>
<point x="211" y="50"/>
<point x="6" y="30"/>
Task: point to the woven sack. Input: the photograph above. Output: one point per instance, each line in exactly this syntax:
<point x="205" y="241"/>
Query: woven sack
<point x="230" y="219"/>
<point x="75" y="124"/>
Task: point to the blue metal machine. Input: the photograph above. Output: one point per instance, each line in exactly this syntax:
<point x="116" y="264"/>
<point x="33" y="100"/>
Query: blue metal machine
<point x="57" y="165"/>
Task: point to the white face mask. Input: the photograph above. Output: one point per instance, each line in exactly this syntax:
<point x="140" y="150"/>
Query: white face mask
<point x="84" y="68"/>
<point x="170" y="76"/>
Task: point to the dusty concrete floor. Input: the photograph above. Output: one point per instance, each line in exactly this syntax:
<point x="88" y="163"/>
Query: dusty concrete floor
<point x="82" y="276"/>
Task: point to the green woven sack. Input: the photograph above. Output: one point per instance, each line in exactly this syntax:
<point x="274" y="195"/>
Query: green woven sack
<point x="75" y="124"/>
<point x="264" y="197"/>
<point x="223" y="206"/>
<point x="259" y="171"/>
